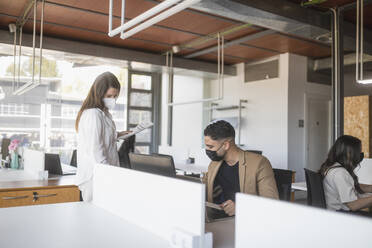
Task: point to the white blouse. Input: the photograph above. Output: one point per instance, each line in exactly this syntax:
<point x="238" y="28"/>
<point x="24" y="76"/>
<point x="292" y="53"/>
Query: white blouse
<point x="96" y="144"/>
<point x="339" y="188"/>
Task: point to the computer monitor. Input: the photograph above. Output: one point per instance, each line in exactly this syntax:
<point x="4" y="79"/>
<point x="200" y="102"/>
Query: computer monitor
<point x="53" y="164"/>
<point x="155" y="163"/>
<point x="74" y="159"/>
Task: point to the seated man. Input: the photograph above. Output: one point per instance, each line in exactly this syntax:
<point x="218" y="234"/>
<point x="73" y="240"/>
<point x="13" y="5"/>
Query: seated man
<point x="233" y="170"/>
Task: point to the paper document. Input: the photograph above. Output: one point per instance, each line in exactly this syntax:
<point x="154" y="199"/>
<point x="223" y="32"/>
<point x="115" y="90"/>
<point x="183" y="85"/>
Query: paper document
<point x="139" y="128"/>
<point x="213" y="205"/>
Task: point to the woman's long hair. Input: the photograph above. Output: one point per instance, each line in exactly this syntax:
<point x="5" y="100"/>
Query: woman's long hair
<point x="96" y="93"/>
<point x="346" y="151"/>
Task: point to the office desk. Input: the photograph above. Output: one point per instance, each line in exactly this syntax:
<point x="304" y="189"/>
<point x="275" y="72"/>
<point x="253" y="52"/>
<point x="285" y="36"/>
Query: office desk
<point x="71" y="225"/>
<point x="18" y="188"/>
<point x="191" y="168"/>
<point x="223" y="233"/>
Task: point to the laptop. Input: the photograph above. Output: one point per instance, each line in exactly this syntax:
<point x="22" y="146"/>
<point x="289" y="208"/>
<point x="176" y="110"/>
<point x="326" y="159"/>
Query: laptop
<point x="53" y="165"/>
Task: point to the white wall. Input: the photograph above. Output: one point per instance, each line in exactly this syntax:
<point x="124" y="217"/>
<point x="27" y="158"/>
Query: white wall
<point x="298" y="90"/>
<point x="187" y="119"/>
<point x="264" y="125"/>
<point x="270" y="119"/>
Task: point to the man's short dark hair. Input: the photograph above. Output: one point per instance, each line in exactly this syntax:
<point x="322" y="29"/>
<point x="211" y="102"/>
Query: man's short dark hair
<point x="219" y="130"/>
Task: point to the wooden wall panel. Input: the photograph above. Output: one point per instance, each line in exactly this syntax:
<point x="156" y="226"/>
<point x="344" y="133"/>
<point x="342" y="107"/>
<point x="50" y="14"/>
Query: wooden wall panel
<point x="357" y="115"/>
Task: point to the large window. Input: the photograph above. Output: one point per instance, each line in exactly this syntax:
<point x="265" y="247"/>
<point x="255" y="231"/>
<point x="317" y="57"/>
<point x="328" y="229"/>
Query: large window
<point x="143" y="107"/>
<point x="45" y="116"/>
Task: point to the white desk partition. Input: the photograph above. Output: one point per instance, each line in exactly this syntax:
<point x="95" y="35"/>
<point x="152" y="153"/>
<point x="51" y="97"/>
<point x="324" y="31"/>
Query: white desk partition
<point x="264" y="223"/>
<point x="364" y="171"/>
<point x="71" y="225"/>
<point x="156" y="203"/>
<point x="33" y="161"/>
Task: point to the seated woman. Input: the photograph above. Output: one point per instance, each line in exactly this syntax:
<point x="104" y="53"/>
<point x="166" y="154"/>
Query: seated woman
<point x="341" y="187"/>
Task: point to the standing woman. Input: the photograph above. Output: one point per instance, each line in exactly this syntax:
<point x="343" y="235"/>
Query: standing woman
<point x="96" y="131"/>
<point x="342" y="190"/>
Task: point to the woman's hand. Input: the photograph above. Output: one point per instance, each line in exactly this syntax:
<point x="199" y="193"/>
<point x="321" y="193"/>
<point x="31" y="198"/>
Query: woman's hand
<point x="123" y="133"/>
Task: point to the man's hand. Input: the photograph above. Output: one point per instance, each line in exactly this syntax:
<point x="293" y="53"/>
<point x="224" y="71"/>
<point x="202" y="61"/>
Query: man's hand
<point x="229" y="207"/>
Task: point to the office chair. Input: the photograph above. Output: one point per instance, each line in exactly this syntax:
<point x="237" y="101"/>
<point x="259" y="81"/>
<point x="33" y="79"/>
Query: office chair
<point x="283" y="180"/>
<point x="73" y="159"/>
<point x="155" y="163"/>
<point x="126" y="147"/>
<point x="315" y="190"/>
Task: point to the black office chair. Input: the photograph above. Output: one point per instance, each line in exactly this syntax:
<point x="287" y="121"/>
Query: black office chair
<point x="126" y="147"/>
<point x="315" y="190"/>
<point x="73" y="159"/>
<point x="283" y="180"/>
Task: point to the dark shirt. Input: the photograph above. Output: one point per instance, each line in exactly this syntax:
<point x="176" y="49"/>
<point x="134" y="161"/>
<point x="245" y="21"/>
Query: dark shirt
<point x="228" y="179"/>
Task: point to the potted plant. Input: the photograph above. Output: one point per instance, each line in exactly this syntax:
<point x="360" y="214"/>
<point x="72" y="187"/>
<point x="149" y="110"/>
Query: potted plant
<point x="13" y="150"/>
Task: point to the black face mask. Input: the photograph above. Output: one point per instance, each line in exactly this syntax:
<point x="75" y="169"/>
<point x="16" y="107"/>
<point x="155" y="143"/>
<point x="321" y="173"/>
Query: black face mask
<point x="361" y="157"/>
<point x="213" y="155"/>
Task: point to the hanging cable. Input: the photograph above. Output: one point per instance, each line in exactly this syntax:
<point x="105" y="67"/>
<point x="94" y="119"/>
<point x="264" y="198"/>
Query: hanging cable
<point x="357" y="43"/>
<point x="361" y="39"/>
<point x="33" y="43"/>
<point x="19" y="55"/>
<point x="41" y="38"/>
<point x="15" y="56"/>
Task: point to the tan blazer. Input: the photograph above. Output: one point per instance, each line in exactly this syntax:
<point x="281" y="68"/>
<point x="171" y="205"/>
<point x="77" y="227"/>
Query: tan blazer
<point x="256" y="176"/>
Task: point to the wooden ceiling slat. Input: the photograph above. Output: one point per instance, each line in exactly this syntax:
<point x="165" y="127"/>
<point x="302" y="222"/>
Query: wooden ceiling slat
<point x="285" y="44"/>
<point x="185" y="20"/>
<point x="103" y="39"/>
<point x="213" y="42"/>
<point x="350" y="16"/>
<point x="248" y="52"/>
<point x="181" y="28"/>
<point x="12" y="7"/>
<point x="91" y="21"/>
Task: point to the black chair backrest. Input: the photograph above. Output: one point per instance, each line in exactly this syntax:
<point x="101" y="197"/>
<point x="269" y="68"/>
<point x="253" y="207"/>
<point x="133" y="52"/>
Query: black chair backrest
<point x="4" y="148"/>
<point x="155" y="163"/>
<point x="126" y="147"/>
<point x="315" y="190"/>
<point x="283" y="180"/>
<point x="73" y="159"/>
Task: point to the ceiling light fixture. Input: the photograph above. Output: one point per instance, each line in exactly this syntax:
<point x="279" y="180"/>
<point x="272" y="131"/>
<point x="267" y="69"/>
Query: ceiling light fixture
<point x="30" y="85"/>
<point x="143" y="21"/>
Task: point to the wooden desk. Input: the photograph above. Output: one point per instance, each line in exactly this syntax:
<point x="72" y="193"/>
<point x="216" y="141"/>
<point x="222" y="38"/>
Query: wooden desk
<point x="36" y="192"/>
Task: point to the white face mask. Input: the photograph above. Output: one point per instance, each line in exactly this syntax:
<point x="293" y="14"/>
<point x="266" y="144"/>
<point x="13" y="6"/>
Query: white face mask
<point x="109" y="103"/>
